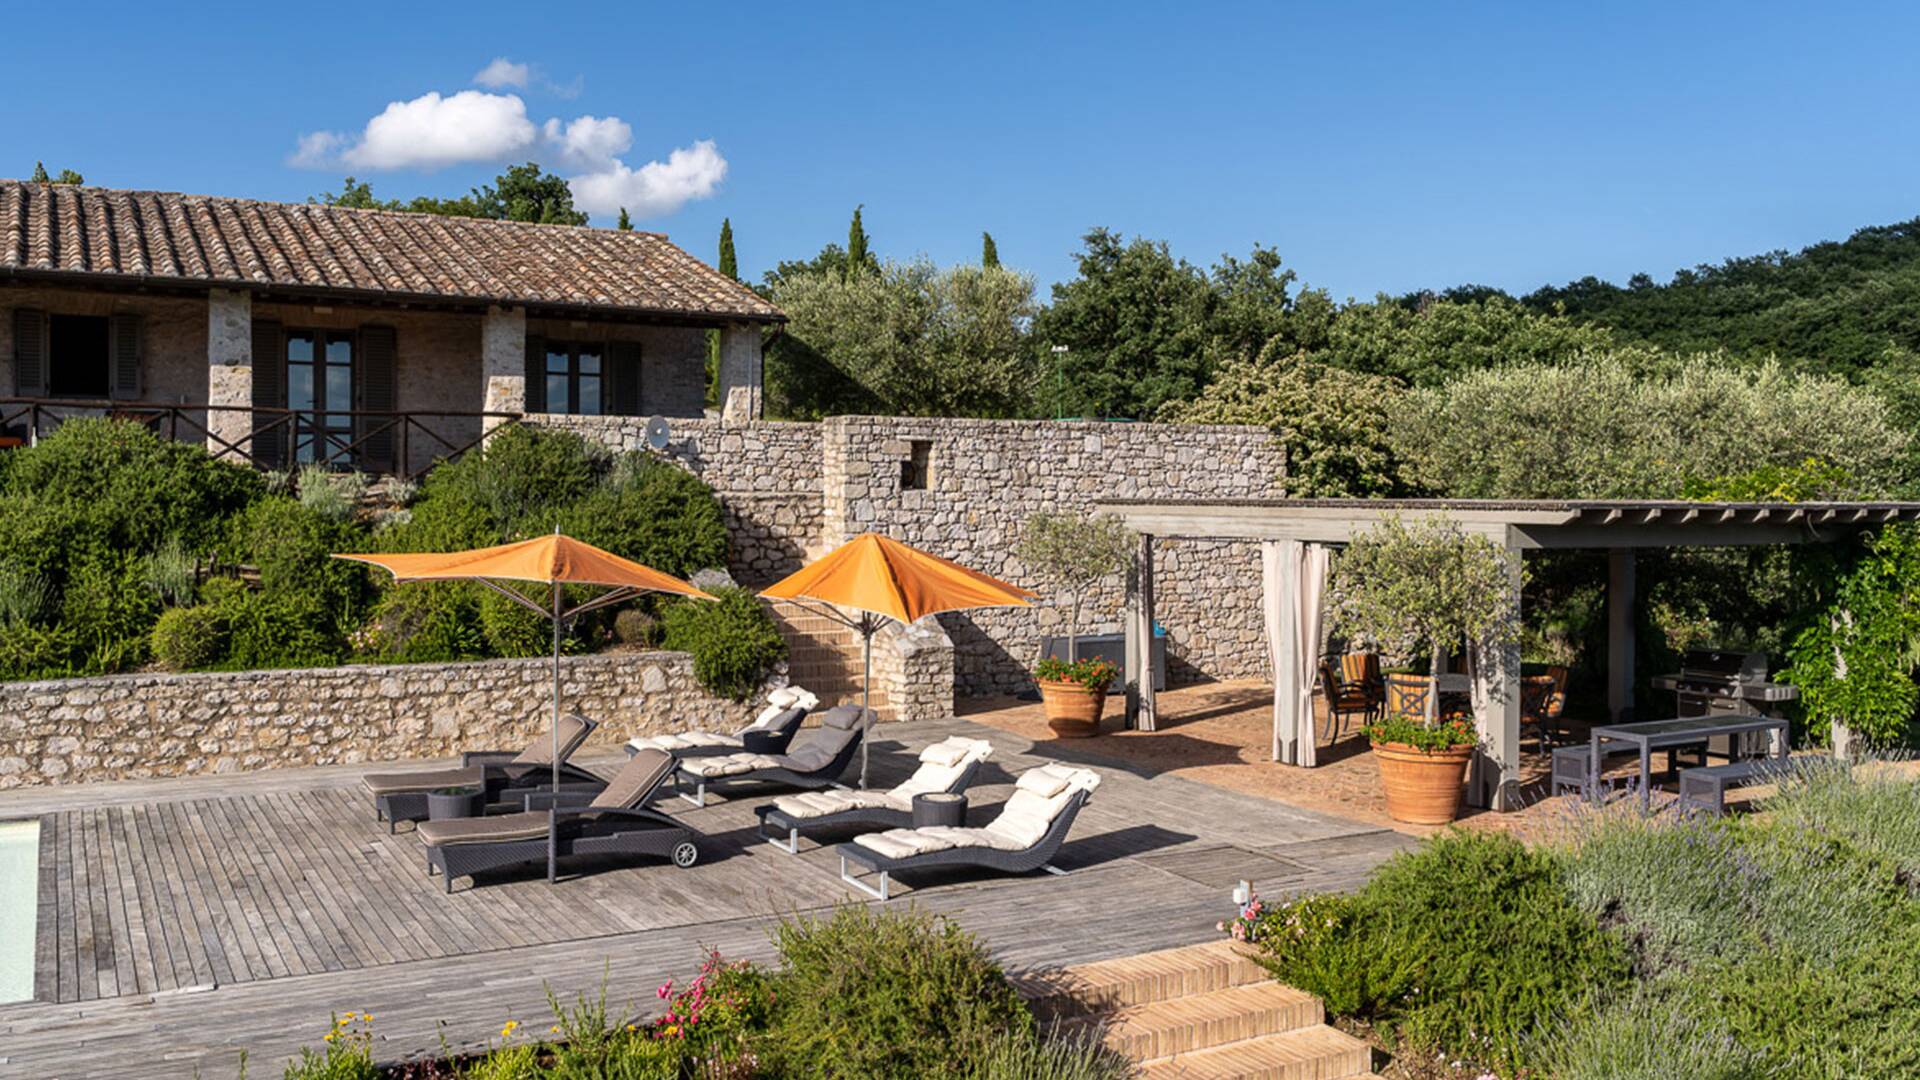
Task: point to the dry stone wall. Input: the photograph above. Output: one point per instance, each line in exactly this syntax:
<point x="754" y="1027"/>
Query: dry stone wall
<point x="130" y="726"/>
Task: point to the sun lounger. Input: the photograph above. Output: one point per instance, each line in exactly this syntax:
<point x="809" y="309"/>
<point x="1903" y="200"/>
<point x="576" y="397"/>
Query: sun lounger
<point x="1025" y="837"/>
<point x="769" y="733"/>
<point x="504" y="776"/>
<point x="948" y="766"/>
<point x="816" y="759"/>
<point x="615" y="822"/>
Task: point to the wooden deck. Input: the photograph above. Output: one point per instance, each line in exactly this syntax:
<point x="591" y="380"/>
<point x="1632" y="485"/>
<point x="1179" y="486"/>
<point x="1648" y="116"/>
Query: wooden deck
<point x="181" y="921"/>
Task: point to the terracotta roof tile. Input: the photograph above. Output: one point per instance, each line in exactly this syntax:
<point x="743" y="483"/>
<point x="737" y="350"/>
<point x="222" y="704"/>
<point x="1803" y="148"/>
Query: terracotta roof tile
<point x="50" y="228"/>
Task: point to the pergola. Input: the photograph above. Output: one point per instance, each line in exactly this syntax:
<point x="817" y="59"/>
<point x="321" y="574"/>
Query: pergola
<point x="1297" y="534"/>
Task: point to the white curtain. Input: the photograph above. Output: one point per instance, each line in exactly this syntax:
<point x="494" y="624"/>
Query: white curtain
<point x="1295" y="583"/>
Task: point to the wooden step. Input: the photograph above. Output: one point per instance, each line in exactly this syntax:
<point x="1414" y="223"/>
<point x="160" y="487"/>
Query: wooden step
<point x="1184" y="1025"/>
<point x="1106" y="985"/>
<point x="1314" y="1053"/>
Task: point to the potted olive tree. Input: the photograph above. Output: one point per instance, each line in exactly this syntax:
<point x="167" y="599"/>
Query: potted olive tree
<point x="1422" y="589"/>
<point x="1072" y="553"/>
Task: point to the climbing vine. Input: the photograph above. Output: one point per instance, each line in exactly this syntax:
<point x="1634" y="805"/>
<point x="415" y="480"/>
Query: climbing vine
<point x="1854" y="659"/>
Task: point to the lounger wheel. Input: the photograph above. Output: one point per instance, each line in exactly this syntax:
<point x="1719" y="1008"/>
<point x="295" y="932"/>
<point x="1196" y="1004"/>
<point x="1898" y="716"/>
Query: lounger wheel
<point x="685" y="854"/>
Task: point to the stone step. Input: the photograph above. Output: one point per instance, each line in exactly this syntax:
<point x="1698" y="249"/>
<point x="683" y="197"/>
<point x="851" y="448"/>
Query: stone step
<point x="1184" y="1025"/>
<point x="1313" y="1053"/>
<point x="1107" y="985"/>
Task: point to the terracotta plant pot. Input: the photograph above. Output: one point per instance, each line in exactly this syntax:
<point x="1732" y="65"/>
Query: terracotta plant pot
<point x="1423" y="787"/>
<point x="1073" y="711"/>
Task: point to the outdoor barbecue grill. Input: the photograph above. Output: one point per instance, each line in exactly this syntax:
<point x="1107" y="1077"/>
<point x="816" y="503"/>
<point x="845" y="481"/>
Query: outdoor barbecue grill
<point x="1723" y="682"/>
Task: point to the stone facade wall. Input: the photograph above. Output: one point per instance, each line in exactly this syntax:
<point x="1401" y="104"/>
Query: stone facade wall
<point x="767" y="476"/>
<point x="673" y="360"/>
<point x="131" y="726"/>
<point x="985" y="477"/>
<point x="175" y="329"/>
<point x="793" y="490"/>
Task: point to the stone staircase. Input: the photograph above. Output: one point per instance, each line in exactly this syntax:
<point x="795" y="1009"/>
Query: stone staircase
<point x="1202" y="1012"/>
<point x="825" y="657"/>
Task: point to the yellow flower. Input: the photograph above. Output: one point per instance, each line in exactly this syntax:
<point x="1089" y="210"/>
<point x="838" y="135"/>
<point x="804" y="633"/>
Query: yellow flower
<point x="555" y="1029"/>
<point x="329" y="1036"/>
<point x="508" y="1030"/>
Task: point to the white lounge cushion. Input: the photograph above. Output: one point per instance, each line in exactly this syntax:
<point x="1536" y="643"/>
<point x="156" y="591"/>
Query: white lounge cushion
<point x="685" y="740"/>
<point x="1046" y="780"/>
<point x="926" y="779"/>
<point x="947" y="751"/>
<point x="814" y="804"/>
<point x="902" y="843"/>
<point x="1029" y="813"/>
<point x="731" y="764"/>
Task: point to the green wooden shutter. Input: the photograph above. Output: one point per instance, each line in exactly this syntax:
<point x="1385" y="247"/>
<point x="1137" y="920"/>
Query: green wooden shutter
<point x="623" y="378"/>
<point x="127" y="340"/>
<point x="270" y="392"/>
<point x="536" y="374"/>
<point x="29" y="352"/>
<point x="374" y="371"/>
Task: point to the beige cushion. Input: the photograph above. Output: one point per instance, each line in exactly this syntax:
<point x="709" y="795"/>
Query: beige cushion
<point x="928" y="778"/>
<point x="635" y="780"/>
<point x="484" y="830"/>
<point x="412" y="782"/>
<point x="955" y="750"/>
<point x="1046" y="780"/>
<point x="685" y="740"/>
<point x="901" y="843"/>
<point x="814" y="804"/>
<point x="573" y="730"/>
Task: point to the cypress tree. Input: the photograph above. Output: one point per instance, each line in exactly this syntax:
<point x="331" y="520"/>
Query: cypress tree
<point x="856" y="246"/>
<point x="728" y="265"/>
<point x="625" y="224"/>
<point x="40" y="177"/>
<point x="989" y="254"/>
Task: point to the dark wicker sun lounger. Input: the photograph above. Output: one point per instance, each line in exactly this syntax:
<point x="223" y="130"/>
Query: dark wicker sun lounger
<point x="617" y="821"/>
<point x="504" y="776"/>
<point x="769" y="737"/>
<point x="880" y="809"/>
<point x="969" y="847"/>
<point x="816" y="760"/>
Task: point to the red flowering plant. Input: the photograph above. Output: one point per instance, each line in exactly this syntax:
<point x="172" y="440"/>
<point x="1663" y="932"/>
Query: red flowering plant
<point x="1094" y="673"/>
<point x="714" y="1014"/>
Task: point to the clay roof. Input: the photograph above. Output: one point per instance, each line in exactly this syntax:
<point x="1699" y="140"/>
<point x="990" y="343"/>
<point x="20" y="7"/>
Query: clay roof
<point x="164" y="237"/>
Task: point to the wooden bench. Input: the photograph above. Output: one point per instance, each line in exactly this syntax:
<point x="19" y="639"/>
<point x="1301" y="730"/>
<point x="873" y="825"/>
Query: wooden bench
<point x="1705" y="787"/>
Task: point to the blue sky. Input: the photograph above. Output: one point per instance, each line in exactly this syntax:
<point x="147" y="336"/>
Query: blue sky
<point x="1377" y="146"/>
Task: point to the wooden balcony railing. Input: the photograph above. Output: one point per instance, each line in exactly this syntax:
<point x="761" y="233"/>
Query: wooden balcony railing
<point x="396" y="443"/>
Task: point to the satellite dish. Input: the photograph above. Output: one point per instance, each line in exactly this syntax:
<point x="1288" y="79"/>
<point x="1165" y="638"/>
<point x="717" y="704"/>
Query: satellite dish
<point x="657" y="432"/>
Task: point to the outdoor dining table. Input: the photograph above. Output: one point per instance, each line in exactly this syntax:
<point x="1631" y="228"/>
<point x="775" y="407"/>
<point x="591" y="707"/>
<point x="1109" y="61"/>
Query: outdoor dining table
<point x="1651" y="735"/>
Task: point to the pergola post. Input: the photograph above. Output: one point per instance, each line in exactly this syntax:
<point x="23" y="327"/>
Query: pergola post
<point x="1494" y="779"/>
<point x="1141" y="711"/>
<point x="1620" y="647"/>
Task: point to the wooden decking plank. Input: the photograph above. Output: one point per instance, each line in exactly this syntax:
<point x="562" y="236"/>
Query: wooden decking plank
<point x="366" y="918"/>
<point x="87" y="948"/>
<point x="167" y="914"/>
<point x="337" y="913"/>
<point x="240" y="942"/>
<point x="139" y="953"/>
<point x="110" y="939"/>
<point x="146" y="897"/>
<point x="201" y="925"/>
<point x="46" y="920"/>
<point x="233" y="844"/>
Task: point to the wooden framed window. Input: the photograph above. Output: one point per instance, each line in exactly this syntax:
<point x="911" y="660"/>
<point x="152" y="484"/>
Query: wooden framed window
<point x="583" y="378"/>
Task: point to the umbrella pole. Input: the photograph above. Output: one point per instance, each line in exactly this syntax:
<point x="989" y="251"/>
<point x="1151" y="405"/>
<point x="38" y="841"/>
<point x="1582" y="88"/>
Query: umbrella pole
<point x="556" y="689"/>
<point x="866" y="697"/>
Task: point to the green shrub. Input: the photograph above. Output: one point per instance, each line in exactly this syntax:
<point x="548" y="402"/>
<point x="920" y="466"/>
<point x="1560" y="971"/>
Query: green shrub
<point x="716" y="1018"/>
<point x="332" y="495"/>
<point x="652" y="512"/>
<point x="734" y="641"/>
<point x="425" y="623"/>
<point x="278" y="630"/>
<point x="1644" y="1037"/>
<point x="1466" y="945"/>
<point x="110" y="611"/>
<point x="293" y="548"/>
<point x="1879" y="814"/>
<point x="513" y="479"/>
<point x="635" y="627"/>
<point x="1072" y="1057"/>
<point x="190" y="638"/>
<point x="172" y="572"/>
<point x="24" y="595"/>
<point x="135" y="488"/>
<point x="865" y="993"/>
<point x="511" y="629"/>
<point x="36" y="652"/>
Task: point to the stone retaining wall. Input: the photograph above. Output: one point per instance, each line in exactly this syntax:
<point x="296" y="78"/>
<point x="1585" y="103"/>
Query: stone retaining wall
<point x="133" y="726"/>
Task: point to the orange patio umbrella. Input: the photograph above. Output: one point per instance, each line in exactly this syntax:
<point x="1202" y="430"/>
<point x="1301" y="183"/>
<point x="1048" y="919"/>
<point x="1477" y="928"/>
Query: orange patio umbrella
<point x="554" y="560"/>
<point x="881" y="578"/>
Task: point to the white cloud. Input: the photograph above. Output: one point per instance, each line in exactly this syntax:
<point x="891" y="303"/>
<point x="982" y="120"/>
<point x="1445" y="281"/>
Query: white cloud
<point x="656" y="188"/>
<point x="431" y="132"/>
<point x="589" y="142"/>
<point x="474" y="127"/>
<point x="503" y="72"/>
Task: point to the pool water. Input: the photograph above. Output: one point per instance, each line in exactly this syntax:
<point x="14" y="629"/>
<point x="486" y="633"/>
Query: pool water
<point x="19" y="903"/>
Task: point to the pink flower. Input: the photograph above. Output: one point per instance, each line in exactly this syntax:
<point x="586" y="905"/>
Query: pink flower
<point x="666" y="989"/>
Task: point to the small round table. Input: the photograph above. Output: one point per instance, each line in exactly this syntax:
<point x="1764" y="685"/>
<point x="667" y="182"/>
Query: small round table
<point x="939" y="808"/>
<point x="454" y="803"/>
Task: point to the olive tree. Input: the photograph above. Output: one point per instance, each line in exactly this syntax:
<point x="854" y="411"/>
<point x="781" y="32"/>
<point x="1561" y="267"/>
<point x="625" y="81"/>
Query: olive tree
<point x="1071" y="553"/>
<point x="1426" y="586"/>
